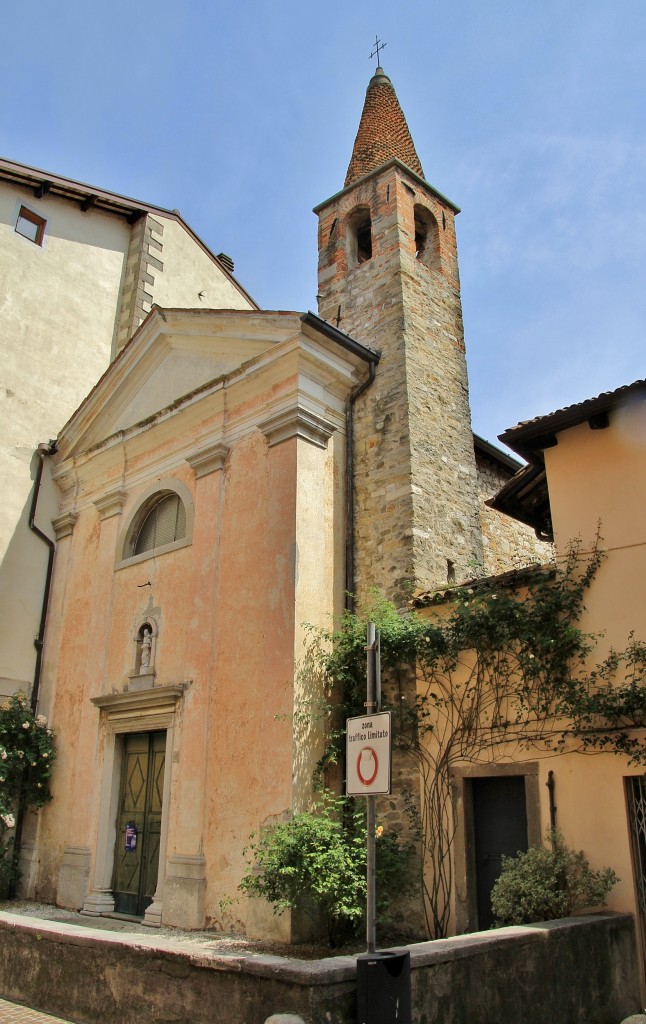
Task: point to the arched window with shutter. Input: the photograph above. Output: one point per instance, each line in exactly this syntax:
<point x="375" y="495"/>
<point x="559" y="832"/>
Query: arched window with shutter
<point x="164" y="523"/>
<point x="161" y="522"/>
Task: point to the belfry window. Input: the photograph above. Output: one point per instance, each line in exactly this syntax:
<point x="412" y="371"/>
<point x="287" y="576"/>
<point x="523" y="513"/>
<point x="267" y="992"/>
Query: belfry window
<point x="359" y="237"/>
<point x="427" y="238"/>
<point x="164" y="523"/>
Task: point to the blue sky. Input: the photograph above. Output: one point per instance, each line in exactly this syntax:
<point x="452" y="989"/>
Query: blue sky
<point x="531" y="117"/>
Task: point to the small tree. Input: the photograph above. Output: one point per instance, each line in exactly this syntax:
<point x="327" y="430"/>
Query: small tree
<point x="316" y="863"/>
<point x="543" y="884"/>
<point x="26" y="755"/>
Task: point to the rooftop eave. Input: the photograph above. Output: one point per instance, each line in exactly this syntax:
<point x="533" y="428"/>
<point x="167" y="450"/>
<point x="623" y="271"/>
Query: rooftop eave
<point x="491" y="451"/>
<point x="530" y="438"/>
<point x="526" y="498"/>
<point x="45" y="185"/>
<point x="311" y="320"/>
<point x="393" y="162"/>
<point x="513" y="578"/>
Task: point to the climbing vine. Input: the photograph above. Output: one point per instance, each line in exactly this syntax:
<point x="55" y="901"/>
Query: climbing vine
<point x="502" y="667"/>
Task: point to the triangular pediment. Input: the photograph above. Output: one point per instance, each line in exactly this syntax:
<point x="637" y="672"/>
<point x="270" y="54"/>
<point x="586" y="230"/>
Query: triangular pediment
<point x="173" y="354"/>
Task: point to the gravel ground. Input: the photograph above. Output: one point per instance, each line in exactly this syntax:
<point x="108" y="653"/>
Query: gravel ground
<point x="216" y="942"/>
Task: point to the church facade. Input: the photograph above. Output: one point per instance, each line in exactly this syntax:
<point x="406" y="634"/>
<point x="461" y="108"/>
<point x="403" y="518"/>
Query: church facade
<point x="234" y="475"/>
<point x="196" y="537"/>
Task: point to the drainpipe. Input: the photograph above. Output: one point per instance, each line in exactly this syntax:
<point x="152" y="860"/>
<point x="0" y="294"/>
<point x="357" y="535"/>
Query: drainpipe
<point x="550" y="787"/>
<point x="42" y="451"/>
<point x="349" y="543"/>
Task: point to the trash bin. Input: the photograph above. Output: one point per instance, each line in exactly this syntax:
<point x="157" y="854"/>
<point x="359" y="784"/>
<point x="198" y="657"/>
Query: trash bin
<point x="383" y="988"/>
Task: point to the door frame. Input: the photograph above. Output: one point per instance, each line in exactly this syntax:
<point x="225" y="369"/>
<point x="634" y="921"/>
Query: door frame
<point x="464" y="860"/>
<point x="152" y="710"/>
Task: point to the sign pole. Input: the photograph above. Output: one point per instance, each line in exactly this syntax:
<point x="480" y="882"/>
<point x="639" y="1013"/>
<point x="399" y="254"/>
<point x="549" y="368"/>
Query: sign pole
<point x="372" y="706"/>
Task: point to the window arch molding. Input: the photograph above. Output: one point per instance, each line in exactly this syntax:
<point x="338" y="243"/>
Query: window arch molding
<point x="148" y="499"/>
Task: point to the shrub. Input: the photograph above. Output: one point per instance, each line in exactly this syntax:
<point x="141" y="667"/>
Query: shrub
<point x="543" y="884"/>
<point x="27" y="753"/>
<point x="316" y="862"/>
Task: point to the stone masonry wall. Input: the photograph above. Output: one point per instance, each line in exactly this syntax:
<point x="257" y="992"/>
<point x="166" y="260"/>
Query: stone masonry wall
<point x="507" y="544"/>
<point x="555" y="972"/>
<point x="416" y="493"/>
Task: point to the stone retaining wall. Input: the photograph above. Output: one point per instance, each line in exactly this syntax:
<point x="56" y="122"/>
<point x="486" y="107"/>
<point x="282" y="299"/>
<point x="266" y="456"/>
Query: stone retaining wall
<point x="560" y="972"/>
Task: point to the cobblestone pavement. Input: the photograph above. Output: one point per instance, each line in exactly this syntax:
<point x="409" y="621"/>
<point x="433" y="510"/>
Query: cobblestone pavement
<point x="12" y="1013"/>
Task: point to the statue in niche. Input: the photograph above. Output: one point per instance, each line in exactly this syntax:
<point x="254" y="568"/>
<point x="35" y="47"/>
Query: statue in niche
<point x="146" y="646"/>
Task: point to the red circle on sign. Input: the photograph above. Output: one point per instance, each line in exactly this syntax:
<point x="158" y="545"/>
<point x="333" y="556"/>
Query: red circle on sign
<point x="364" y="779"/>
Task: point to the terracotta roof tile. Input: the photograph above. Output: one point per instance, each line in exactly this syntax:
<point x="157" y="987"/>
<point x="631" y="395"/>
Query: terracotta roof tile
<point x="529" y="435"/>
<point x="383" y="132"/>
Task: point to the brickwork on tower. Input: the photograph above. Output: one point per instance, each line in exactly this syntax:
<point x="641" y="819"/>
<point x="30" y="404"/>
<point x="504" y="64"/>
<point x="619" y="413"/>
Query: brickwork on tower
<point x="383" y="132"/>
<point x="416" y="500"/>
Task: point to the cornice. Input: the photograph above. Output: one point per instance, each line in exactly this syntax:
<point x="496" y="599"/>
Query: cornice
<point x="64" y="524"/>
<point x="288" y="423"/>
<point x="393" y="162"/>
<point x="208" y="460"/>
<point x="144" y="700"/>
<point x="110" y="504"/>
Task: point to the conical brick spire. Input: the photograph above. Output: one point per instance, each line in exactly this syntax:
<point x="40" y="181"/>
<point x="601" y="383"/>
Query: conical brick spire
<point x="383" y="132"/>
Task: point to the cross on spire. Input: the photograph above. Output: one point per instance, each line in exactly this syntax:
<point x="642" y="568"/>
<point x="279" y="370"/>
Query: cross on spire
<point x="378" y="46"/>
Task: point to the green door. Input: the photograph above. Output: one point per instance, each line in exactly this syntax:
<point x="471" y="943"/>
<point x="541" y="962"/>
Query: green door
<point x="136" y="858"/>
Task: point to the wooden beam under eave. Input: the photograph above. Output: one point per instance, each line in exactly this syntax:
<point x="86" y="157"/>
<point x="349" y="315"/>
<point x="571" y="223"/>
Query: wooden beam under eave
<point x="42" y="190"/>
<point x="88" y="203"/>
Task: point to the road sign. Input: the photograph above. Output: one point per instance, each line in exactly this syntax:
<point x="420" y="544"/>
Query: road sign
<point x="368" y="753"/>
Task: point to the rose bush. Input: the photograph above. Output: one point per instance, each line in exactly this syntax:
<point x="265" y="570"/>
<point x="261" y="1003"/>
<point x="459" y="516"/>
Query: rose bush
<point x="27" y="753"/>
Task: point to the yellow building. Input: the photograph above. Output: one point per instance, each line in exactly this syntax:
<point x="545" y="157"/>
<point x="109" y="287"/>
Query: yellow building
<point x="585" y="477"/>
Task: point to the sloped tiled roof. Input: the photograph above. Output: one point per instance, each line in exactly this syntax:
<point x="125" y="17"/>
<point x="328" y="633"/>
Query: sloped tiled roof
<point x="383" y="132"/>
<point x="530" y="436"/>
<point x="526" y="496"/>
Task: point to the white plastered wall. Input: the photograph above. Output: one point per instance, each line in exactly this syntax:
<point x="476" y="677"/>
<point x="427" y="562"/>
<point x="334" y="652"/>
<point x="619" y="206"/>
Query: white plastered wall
<point x="58" y="305"/>
<point x="189" y="271"/>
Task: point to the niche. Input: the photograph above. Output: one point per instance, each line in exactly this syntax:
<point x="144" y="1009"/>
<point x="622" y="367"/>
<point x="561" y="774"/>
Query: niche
<point x="145" y="643"/>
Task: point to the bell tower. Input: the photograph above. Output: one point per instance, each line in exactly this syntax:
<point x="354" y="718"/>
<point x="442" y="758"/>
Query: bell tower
<point x="388" y="276"/>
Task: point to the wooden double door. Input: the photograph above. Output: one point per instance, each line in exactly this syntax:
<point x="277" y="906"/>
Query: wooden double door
<point x="136" y="859"/>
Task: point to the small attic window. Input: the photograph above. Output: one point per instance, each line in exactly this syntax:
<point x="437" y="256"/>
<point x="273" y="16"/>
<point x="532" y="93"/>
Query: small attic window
<point x="359" y="237"/>
<point x="30" y="225"/>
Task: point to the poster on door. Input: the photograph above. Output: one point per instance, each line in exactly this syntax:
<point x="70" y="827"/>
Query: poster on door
<point x="131" y="838"/>
<point x="368" y="751"/>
